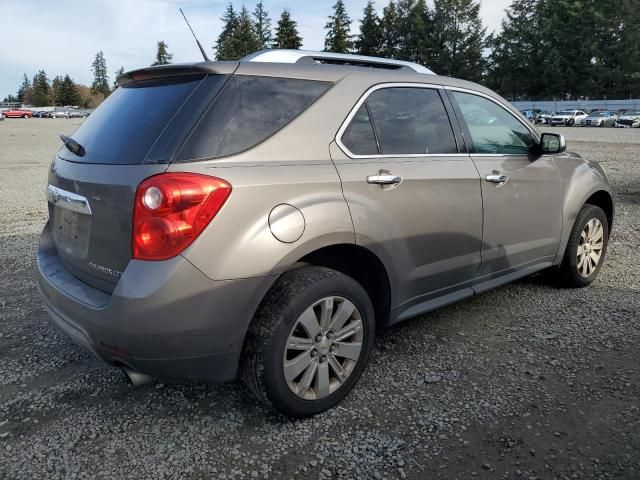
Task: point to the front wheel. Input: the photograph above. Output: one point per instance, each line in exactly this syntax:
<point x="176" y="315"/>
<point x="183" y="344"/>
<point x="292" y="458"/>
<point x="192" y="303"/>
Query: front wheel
<point x="586" y="248"/>
<point x="310" y="342"/>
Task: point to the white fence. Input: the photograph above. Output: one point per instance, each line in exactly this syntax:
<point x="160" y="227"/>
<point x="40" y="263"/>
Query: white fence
<point x="556" y="106"/>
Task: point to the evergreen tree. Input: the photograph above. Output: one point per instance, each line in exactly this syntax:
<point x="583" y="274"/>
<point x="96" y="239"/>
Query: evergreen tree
<point x="225" y="45"/>
<point x="24" y="89"/>
<point x="517" y="52"/>
<point x="287" y="35"/>
<point x="414" y="40"/>
<point x="163" y="57"/>
<point x="262" y="23"/>
<point x="100" y="78"/>
<point x="390" y="26"/>
<point x="41" y="90"/>
<point x="67" y="92"/>
<point x="458" y="39"/>
<point x="338" y="38"/>
<point x="245" y="40"/>
<point x="616" y="54"/>
<point x="11" y="99"/>
<point x="117" y="73"/>
<point x="369" y="41"/>
<point x="56" y="84"/>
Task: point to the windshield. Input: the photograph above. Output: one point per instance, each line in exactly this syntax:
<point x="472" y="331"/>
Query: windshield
<point x="566" y="112"/>
<point x="599" y="114"/>
<point x="633" y="113"/>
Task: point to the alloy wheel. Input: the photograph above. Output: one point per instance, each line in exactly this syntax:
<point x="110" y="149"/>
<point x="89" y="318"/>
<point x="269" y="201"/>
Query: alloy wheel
<point x="590" y="247"/>
<point x="323" y="348"/>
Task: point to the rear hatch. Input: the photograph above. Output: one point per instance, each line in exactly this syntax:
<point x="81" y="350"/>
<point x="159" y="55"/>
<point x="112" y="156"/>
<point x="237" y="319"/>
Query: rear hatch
<point x="132" y="135"/>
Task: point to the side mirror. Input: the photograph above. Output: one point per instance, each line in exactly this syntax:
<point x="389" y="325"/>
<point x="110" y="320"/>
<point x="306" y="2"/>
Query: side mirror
<point x="552" y="143"/>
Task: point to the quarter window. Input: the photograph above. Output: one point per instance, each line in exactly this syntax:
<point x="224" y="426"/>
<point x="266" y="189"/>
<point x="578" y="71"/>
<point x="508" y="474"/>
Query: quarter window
<point x="406" y="121"/>
<point x="359" y="137"/>
<point x="247" y="111"/>
<point x="492" y="128"/>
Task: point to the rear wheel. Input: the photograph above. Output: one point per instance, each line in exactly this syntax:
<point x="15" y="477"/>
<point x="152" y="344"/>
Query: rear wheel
<point x="310" y="342"/>
<point x="586" y="248"/>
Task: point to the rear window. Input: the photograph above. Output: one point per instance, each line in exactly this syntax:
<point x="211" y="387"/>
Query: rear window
<point x="247" y="111"/>
<point x="127" y="124"/>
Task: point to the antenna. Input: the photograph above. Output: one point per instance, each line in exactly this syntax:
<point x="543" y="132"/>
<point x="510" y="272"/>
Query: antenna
<point x="204" y="54"/>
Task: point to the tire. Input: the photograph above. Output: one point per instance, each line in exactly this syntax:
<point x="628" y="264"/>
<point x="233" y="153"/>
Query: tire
<point x="573" y="273"/>
<point x="269" y="367"/>
<point x="571" y="122"/>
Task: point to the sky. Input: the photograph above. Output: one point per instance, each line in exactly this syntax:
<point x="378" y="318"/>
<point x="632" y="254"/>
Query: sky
<point x="63" y="36"/>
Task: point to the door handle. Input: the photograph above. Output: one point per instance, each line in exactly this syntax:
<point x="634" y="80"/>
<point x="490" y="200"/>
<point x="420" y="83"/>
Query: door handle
<point x="384" y="178"/>
<point x="496" y="177"/>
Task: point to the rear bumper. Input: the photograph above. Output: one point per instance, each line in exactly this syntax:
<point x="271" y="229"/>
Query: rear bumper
<point x="165" y="319"/>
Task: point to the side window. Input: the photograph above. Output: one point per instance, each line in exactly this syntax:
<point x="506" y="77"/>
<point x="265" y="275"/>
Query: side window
<point x="247" y="111"/>
<point x="493" y="129"/>
<point x="359" y="137"/>
<point x="411" y="120"/>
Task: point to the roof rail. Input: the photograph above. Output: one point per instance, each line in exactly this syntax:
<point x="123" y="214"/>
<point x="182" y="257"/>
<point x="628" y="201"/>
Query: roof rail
<point x="306" y="56"/>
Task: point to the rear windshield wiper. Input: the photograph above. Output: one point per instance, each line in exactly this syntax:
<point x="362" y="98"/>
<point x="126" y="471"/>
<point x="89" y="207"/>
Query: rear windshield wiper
<point x="73" y="146"/>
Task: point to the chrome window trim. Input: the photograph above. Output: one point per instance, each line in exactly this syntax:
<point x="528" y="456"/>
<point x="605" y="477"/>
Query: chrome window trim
<point x="529" y="127"/>
<point x="68" y="200"/>
<point x="363" y="98"/>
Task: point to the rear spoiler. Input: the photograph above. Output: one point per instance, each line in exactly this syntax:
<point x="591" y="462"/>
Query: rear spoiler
<point x="177" y="70"/>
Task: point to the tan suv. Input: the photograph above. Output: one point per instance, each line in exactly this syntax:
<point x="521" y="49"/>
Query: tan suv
<point x="266" y="216"/>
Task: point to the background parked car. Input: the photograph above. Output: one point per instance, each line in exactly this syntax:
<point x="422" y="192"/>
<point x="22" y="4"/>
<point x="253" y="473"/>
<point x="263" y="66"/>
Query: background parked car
<point x="77" y="114"/>
<point x="529" y="115"/>
<point x="17" y="113"/>
<point x="544" y="116"/>
<point x="629" y="119"/>
<point x="599" y="118"/>
<point x="59" y="114"/>
<point x="568" y="118"/>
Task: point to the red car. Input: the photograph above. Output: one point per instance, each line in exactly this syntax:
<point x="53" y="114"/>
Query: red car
<point x="17" y="113"/>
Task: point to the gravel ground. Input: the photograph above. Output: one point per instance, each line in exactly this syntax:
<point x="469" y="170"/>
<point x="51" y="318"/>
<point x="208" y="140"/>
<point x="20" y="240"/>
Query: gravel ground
<point x="527" y="381"/>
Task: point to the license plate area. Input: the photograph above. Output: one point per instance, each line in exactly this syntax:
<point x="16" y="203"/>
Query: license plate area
<point x="71" y="232"/>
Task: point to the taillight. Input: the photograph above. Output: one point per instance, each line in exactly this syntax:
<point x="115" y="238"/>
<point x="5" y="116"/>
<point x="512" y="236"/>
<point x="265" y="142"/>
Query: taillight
<point x="171" y="210"/>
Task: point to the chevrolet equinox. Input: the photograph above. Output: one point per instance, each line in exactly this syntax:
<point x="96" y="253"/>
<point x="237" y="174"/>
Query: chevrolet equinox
<point x="263" y="218"/>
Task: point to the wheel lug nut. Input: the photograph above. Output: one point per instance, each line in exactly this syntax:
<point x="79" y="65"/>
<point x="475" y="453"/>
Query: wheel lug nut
<point x="323" y="359"/>
<point x="318" y="338"/>
<point x="330" y="334"/>
<point x="314" y="353"/>
<point x="332" y="348"/>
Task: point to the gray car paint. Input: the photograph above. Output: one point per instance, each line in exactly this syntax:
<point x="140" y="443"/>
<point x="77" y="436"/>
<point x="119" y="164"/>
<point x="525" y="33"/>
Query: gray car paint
<point x="199" y="304"/>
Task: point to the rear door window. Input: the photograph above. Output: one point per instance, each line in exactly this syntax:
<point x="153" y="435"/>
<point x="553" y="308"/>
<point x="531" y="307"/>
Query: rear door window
<point x="247" y="111"/>
<point x="411" y="121"/>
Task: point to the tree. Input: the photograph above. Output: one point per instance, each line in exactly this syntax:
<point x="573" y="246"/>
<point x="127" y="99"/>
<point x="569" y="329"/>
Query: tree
<point x="67" y="92"/>
<point x="25" y="89"/>
<point x="262" y="24"/>
<point x="415" y="42"/>
<point x="163" y="57"/>
<point x="56" y="84"/>
<point x="458" y="39"/>
<point x="338" y="38"/>
<point x="117" y="73"/>
<point x="11" y="99"/>
<point x="245" y="39"/>
<point x="517" y="52"/>
<point x="369" y="41"/>
<point x="100" y="78"/>
<point x="390" y="24"/>
<point x="287" y="35"/>
<point x="225" y="45"/>
<point x="41" y="90"/>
